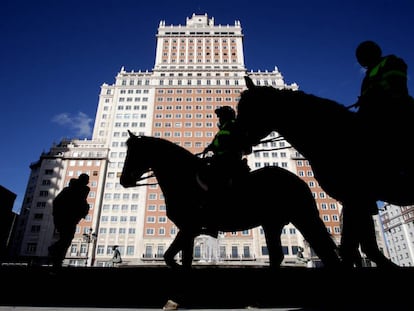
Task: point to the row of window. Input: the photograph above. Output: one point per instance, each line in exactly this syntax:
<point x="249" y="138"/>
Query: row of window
<point x="174" y="60"/>
<point x="118" y="196"/>
<point x="167" y="42"/>
<point x="186" y="125"/>
<point x="203" y="82"/>
<point x="235" y="82"/>
<point x="105" y="219"/>
<point x="133" y="99"/>
<point x="132" y="91"/>
<point x="198" y="99"/>
<point x="199" y="74"/>
<point x="120" y="207"/>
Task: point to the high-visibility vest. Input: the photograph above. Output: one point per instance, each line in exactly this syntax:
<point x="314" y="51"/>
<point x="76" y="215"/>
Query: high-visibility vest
<point x="222" y="132"/>
<point x="382" y="74"/>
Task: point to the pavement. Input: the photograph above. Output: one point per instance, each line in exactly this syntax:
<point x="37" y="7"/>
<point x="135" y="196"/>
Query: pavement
<point x="204" y="288"/>
<point x="129" y="309"/>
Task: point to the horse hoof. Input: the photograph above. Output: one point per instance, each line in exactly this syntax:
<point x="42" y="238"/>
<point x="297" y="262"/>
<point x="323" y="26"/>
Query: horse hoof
<point x="170" y="305"/>
<point x="172" y="264"/>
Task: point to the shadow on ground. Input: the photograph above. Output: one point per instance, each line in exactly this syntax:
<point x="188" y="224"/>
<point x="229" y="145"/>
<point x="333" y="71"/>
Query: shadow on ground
<point x="208" y="288"/>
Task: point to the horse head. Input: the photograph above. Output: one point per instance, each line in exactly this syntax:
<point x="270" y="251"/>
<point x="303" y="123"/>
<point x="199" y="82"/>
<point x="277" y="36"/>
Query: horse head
<point x="253" y="117"/>
<point x="136" y="162"/>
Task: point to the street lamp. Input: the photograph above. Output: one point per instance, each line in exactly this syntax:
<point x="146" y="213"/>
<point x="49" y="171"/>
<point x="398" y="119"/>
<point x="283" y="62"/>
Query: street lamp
<point x="89" y="238"/>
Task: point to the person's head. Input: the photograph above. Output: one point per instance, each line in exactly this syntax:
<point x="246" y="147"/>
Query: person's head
<point x="368" y="54"/>
<point x="83" y="179"/>
<point x="72" y="182"/>
<point x="114" y="247"/>
<point x="225" y="113"/>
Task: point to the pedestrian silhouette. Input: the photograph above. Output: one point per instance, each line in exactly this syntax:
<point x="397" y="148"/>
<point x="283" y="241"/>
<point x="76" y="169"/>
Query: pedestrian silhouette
<point x="116" y="257"/>
<point x="69" y="207"/>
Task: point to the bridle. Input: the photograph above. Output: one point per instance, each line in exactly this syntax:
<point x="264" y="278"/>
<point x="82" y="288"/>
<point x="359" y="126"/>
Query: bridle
<point x="138" y="184"/>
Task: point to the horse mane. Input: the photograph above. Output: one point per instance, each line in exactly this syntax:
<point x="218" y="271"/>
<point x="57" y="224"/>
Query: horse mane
<point x="264" y="94"/>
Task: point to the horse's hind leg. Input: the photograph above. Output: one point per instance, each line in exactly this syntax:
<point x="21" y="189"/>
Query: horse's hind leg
<point x="369" y="244"/>
<point x="187" y="250"/>
<point x="184" y="241"/>
<point x="314" y="231"/>
<point x="174" y="248"/>
<point x="358" y="229"/>
<point x="274" y="245"/>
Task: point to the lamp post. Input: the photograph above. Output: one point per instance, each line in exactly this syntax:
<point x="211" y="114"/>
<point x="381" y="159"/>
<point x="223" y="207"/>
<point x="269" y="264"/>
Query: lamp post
<point x="89" y="238"/>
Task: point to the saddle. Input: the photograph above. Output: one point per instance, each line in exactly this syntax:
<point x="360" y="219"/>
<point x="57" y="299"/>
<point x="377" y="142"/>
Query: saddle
<point x="218" y="185"/>
<point x="212" y="175"/>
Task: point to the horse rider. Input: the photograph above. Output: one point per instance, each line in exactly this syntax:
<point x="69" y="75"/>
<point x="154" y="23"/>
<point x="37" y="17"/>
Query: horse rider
<point x="385" y="107"/>
<point x="385" y="81"/>
<point x="227" y="162"/>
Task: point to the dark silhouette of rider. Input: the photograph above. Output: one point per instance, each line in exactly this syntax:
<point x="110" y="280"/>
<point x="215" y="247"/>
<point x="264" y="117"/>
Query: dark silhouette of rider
<point x="385" y="108"/>
<point x="227" y="162"/>
<point x="385" y="111"/>
<point x="385" y="83"/>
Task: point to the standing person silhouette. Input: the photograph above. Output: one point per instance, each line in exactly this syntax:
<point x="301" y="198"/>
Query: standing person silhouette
<point x="116" y="256"/>
<point x="69" y="207"/>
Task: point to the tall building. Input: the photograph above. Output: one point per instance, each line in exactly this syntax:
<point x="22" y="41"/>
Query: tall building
<point x="398" y="224"/>
<point x="198" y="67"/>
<point x="34" y="231"/>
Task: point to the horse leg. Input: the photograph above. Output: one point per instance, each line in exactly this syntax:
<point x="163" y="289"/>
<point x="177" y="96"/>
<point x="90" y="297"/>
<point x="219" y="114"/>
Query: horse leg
<point x="314" y="231"/>
<point x="358" y="229"/>
<point x="175" y="247"/>
<point x="274" y="245"/>
<point x="369" y="244"/>
<point x="351" y="225"/>
<point x="184" y="241"/>
<point x="188" y="249"/>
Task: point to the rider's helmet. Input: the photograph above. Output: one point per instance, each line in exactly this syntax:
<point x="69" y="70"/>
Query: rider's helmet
<point x="83" y="179"/>
<point x="368" y="53"/>
<point x="225" y="113"/>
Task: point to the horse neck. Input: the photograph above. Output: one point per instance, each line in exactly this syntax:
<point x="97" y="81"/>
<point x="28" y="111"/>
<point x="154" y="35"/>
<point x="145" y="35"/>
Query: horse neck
<point x="306" y="121"/>
<point x="174" y="169"/>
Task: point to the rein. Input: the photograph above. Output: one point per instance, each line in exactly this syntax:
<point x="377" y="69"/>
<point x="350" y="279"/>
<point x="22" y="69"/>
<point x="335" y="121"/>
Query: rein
<point x="146" y="184"/>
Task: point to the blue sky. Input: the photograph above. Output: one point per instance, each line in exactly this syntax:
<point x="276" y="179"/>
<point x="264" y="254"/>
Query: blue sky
<point x="55" y="55"/>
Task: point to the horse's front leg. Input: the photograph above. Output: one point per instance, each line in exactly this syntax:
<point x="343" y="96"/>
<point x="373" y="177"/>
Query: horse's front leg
<point x="350" y="235"/>
<point x="184" y="241"/>
<point x="274" y="245"/>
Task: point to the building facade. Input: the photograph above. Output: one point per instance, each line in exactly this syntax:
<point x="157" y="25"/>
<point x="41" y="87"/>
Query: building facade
<point x="398" y="224"/>
<point x="198" y="67"/>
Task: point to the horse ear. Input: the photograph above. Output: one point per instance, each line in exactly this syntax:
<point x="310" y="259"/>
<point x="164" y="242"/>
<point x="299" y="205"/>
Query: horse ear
<point x="249" y="82"/>
<point x="130" y="134"/>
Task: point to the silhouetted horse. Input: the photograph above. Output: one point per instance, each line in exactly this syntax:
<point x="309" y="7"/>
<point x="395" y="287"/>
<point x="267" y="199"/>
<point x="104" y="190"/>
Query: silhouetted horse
<point x="349" y="166"/>
<point x="270" y="197"/>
